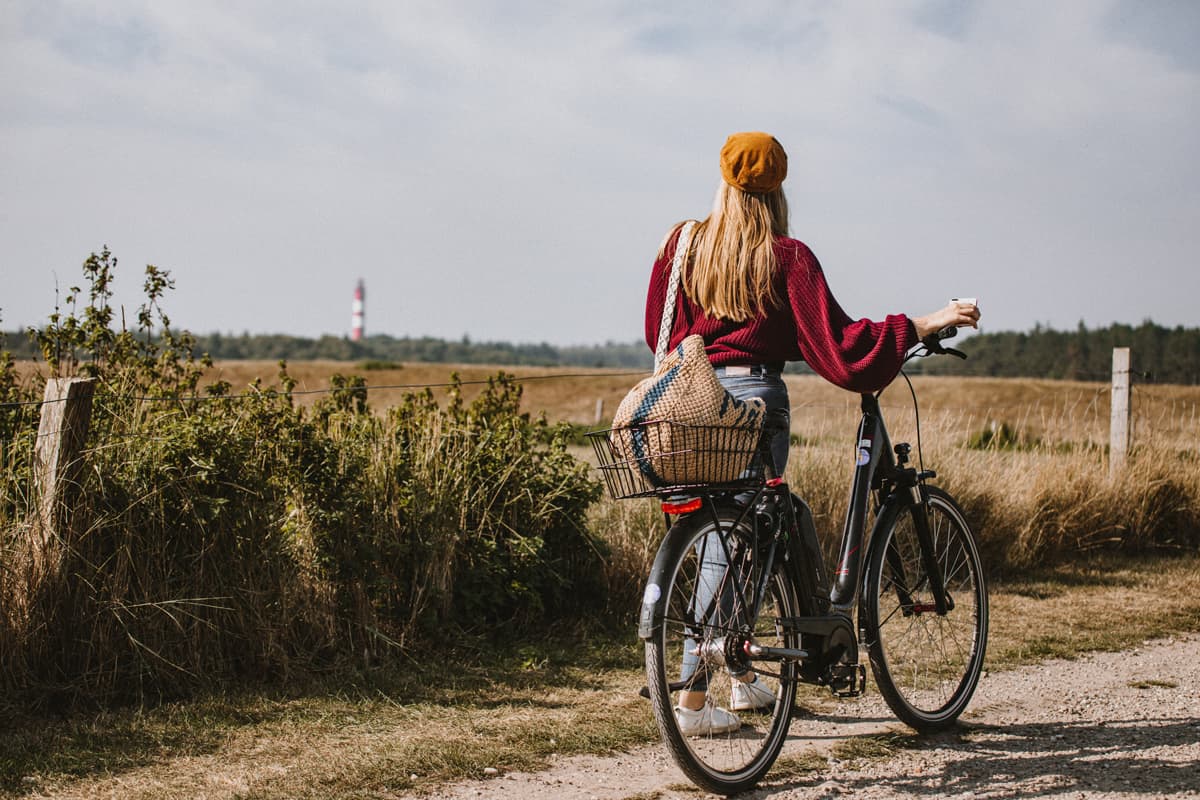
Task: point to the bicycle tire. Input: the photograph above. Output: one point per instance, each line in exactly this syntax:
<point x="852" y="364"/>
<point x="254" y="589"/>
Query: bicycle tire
<point x="725" y="763"/>
<point x="925" y="665"/>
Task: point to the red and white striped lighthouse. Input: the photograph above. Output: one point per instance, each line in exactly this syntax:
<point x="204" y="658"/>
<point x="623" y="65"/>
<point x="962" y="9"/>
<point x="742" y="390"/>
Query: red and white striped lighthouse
<point x="358" y="312"/>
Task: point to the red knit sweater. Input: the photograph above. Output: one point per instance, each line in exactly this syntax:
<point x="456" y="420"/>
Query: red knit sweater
<point x="859" y="355"/>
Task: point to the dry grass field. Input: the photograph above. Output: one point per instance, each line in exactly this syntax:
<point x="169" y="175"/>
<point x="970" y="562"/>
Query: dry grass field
<point x="1062" y="412"/>
<point x="1041" y="489"/>
<point x="1051" y="411"/>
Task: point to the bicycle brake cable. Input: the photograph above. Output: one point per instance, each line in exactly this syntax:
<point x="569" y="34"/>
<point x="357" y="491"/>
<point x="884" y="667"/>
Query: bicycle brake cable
<point x="917" y="416"/>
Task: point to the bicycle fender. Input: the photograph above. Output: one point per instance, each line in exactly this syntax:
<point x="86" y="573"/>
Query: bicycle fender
<point x="654" y="596"/>
<point x="886" y="517"/>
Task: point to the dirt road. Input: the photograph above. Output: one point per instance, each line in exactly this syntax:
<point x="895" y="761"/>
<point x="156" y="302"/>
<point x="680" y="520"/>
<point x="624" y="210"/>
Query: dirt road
<point x="1109" y="725"/>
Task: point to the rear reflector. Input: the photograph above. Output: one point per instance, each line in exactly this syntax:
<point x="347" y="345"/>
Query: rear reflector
<point x="682" y="506"/>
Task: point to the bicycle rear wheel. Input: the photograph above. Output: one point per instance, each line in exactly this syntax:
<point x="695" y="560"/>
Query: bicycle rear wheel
<point x="710" y="579"/>
<point x="925" y="664"/>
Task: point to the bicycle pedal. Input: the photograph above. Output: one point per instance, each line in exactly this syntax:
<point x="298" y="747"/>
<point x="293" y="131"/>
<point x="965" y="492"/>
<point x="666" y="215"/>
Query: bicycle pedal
<point x="673" y="686"/>
<point x="848" y="680"/>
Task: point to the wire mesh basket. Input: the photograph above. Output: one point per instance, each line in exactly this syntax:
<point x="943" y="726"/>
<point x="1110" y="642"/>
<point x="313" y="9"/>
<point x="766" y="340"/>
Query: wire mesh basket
<point x="660" y="456"/>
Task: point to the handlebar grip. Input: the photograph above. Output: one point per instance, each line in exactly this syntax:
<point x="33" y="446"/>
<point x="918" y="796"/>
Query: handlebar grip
<point x="933" y="341"/>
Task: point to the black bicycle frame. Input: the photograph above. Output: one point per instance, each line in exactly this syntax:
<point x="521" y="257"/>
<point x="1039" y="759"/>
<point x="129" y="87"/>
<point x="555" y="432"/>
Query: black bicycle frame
<point x="874" y="458"/>
<point x="873" y="445"/>
<point x="875" y="466"/>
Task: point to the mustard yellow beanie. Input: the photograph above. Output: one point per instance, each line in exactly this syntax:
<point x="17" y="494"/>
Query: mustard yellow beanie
<point x="753" y="162"/>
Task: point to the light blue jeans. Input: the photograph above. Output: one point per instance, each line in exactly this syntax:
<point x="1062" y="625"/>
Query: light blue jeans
<point x="768" y="386"/>
<point x="773" y="391"/>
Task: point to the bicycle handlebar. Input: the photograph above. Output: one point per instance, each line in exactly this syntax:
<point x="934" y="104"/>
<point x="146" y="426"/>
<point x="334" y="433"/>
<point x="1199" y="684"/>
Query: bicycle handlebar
<point x="933" y="344"/>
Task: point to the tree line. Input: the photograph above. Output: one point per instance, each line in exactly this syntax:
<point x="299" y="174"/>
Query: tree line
<point x="1160" y="354"/>
<point x="381" y="349"/>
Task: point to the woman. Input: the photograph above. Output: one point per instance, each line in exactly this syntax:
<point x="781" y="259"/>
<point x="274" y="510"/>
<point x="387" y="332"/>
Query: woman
<point x="759" y="299"/>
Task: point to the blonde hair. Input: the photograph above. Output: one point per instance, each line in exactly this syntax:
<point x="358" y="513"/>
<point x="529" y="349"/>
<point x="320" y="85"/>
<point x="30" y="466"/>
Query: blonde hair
<point x="732" y="258"/>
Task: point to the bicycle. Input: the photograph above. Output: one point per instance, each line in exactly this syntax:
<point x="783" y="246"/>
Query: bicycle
<point x="739" y="588"/>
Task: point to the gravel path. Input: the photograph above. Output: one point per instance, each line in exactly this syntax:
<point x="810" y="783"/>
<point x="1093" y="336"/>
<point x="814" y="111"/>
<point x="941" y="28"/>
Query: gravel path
<point x="1109" y="725"/>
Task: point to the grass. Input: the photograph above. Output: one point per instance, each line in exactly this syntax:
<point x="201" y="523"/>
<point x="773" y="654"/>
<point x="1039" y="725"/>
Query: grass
<point x="1101" y="604"/>
<point x="367" y="734"/>
<point x="1153" y="684"/>
<point x="875" y="746"/>
<point x="798" y="765"/>
<point x="410" y="728"/>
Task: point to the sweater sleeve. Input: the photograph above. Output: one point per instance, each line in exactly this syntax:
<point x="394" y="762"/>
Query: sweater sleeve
<point x="858" y="355"/>
<point x="656" y="295"/>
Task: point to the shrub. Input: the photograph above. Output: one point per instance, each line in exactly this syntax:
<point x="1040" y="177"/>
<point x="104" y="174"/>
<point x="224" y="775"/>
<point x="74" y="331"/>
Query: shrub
<point x="241" y="537"/>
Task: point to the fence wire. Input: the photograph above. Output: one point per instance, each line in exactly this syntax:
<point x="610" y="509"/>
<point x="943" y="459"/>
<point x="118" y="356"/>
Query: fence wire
<point x="1179" y="409"/>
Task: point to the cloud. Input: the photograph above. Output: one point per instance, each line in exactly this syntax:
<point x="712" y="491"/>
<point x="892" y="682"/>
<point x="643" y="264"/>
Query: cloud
<point x="507" y="170"/>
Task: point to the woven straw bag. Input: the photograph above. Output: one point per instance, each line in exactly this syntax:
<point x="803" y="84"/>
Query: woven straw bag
<point x="680" y="426"/>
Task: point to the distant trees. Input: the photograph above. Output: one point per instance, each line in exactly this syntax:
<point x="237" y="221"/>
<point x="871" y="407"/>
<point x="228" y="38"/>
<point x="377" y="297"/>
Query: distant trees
<point x="425" y="348"/>
<point x="1160" y="354"/>
<point x="380" y="348"/>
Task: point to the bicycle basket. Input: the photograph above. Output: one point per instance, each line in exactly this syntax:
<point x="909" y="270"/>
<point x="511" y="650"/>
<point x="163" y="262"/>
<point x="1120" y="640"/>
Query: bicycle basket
<point x="652" y="457"/>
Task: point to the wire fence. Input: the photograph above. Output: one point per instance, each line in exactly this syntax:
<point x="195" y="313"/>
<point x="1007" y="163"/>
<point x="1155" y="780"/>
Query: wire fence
<point x="1081" y="412"/>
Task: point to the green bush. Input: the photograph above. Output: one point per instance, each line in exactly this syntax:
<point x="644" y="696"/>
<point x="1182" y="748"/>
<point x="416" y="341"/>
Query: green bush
<point x="239" y="536"/>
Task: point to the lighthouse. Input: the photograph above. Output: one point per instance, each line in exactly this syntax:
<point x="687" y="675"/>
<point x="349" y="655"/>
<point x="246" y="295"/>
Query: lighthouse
<point x="358" y="312"/>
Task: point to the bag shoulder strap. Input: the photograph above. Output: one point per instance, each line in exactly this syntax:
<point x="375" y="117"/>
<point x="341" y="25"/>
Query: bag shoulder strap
<point x="668" y="315"/>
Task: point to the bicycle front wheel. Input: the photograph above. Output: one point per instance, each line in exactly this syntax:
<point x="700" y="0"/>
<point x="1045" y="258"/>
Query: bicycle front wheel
<point x="926" y="665"/>
<point x="720" y="593"/>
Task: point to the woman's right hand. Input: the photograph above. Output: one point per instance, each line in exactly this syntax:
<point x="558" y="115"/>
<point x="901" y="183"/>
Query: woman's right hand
<point x="955" y="314"/>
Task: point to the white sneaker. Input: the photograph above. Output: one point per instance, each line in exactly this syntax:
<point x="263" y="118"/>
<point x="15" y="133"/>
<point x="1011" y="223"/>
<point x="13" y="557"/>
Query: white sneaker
<point x="706" y="721"/>
<point x="751" y="696"/>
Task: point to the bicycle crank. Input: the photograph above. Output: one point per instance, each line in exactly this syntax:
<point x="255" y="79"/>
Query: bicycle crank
<point x="735" y="653"/>
<point x="847" y="680"/>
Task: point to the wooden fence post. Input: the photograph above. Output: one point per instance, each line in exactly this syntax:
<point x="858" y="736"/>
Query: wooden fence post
<point x="1118" y="443"/>
<point x="62" y="431"/>
<point x="599" y="409"/>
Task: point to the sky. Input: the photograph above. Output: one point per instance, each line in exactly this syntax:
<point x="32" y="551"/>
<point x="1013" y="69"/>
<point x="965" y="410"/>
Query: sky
<point x="507" y="170"/>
